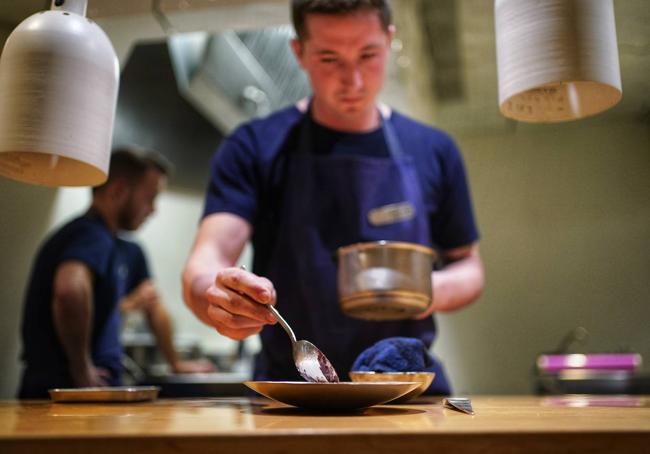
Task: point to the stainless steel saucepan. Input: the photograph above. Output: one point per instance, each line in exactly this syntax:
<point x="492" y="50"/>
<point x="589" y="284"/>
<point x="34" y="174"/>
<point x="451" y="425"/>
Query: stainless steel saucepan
<point x="385" y="280"/>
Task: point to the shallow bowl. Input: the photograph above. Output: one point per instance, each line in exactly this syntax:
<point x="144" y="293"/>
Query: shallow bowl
<point x="340" y="396"/>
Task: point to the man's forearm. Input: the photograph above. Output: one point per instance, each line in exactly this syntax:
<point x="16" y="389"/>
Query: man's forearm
<point x="459" y="283"/>
<point x="194" y="288"/>
<point x="162" y="328"/>
<point x="456" y="286"/>
<point x="198" y="276"/>
<point x="72" y="315"/>
<point x="219" y="243"/>
<point x="72" y="321"/>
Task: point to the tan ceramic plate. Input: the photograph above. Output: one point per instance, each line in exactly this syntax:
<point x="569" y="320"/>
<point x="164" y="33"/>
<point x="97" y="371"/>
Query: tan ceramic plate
<point x="331" y="396"/>
<point x="105" y="394"/>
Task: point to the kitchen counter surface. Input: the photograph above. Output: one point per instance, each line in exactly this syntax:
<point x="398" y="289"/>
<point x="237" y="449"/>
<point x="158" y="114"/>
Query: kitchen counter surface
<point x="244" y="425"/>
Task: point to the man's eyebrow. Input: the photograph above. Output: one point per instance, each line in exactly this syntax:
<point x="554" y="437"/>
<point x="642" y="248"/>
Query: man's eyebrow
<point x="364" y="49"/>
<point x="372" y="47"/>
<point x="325" y="52"/>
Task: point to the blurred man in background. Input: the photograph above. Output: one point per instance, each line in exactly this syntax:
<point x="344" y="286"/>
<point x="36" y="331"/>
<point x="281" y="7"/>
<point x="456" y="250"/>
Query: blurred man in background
<point x="85" y="277"/>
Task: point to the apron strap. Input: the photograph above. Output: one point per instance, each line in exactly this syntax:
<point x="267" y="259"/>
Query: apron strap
<point x="394" y="147"/>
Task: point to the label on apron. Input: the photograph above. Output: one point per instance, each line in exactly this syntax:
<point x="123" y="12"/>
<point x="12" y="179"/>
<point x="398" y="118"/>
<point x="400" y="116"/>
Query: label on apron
<point x="389" y="214"/>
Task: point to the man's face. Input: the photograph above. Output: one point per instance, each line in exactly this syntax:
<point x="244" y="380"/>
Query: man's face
<point x="140" y="202"/>
<point x="345" y="59"/>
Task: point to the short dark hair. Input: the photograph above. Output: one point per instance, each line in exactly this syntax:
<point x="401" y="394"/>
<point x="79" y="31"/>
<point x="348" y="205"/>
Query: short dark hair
<point x="131" y="163"/>
<point x="301" y="8"/>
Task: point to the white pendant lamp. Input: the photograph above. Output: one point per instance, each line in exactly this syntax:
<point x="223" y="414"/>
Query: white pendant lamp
<point x="58" y="90"/>
<point x="557" y="59"/>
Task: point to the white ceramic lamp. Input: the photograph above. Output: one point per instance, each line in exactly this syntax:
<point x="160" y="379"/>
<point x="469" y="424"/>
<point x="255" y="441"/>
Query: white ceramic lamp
<point x="557" y="60"/>
<point x="59" y="80"/>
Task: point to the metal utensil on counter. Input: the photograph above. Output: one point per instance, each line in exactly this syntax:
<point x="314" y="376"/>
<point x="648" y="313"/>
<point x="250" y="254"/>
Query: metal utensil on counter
<point x="461" y="404"/>
<point x="311" y="363"/>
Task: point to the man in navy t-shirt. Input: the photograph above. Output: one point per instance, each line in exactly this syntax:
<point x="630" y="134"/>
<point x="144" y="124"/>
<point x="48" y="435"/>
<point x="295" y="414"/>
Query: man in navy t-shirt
<point x="82" y="274"/>
<point x="305" y="181"/>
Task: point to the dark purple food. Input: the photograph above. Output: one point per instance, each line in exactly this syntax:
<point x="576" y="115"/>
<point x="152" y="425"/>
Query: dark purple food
<point x="327" y="369"/>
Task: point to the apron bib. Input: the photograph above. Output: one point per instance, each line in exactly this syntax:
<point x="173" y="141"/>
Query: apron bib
<point x="327" y="203"/>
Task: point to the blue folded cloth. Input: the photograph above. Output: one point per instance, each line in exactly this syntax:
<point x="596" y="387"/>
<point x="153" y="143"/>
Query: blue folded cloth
<point x="396" y="354"/>
<point x="403" y="354"/>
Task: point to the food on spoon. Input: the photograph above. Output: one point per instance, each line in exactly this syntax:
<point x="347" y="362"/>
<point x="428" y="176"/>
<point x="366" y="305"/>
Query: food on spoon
<point x="318" y="370"/>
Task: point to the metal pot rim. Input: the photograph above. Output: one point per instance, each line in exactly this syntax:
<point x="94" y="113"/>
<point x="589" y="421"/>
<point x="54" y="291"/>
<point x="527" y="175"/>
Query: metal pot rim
<point x="357" y="247"/>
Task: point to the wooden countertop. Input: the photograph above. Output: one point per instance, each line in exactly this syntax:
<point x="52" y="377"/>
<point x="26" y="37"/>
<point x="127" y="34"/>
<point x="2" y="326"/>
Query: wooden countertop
<point x="243" y="425"/>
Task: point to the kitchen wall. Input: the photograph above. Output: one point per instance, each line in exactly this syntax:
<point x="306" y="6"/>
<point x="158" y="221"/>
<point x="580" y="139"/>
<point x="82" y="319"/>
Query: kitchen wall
<point x="564" y="216"/>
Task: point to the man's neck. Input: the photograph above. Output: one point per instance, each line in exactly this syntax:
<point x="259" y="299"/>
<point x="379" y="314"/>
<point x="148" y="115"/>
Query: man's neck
<point x="101" y="211"/>
<point x="362" y="122"/>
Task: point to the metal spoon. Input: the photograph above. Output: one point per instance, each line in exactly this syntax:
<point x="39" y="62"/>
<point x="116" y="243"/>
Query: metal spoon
<point x="311" y="363"/>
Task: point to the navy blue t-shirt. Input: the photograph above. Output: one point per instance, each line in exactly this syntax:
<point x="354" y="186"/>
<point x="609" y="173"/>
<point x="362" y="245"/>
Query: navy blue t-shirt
<point x="118" y="266"/>
<point x="248" y="169"/>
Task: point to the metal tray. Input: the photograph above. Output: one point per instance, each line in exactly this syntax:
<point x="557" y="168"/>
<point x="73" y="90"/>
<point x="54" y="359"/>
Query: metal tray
<point x="105" y="394"/>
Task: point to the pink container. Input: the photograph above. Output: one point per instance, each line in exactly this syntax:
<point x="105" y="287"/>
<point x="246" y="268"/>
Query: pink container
<point x="594" y="361"/>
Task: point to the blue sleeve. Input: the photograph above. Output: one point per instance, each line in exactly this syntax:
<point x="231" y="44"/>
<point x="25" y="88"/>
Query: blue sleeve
<point x="234" y="185"/>
<point x="89" y="245"/>
<point x="454" y="225"/>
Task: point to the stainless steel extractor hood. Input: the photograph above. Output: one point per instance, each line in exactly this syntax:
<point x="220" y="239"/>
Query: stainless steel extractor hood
<point x="234" y="76"/>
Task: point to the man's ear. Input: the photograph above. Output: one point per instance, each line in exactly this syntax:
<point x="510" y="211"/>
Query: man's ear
<point x="296" y="46"/>
<point x="391" y="34"/>
<point x="119" y="188"/>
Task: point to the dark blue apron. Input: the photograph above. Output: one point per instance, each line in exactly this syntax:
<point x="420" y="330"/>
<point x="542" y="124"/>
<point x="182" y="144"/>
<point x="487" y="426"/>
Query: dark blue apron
<point x="324" y="206"/>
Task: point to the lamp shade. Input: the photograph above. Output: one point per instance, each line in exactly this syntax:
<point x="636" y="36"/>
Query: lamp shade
<point x="59" y="79"/>
<point x="557" y="60"/>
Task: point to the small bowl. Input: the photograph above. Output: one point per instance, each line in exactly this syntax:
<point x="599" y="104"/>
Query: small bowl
<point x="424" y="378"/>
